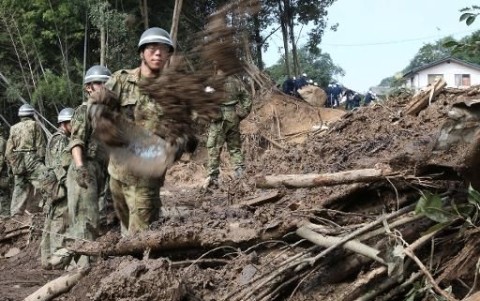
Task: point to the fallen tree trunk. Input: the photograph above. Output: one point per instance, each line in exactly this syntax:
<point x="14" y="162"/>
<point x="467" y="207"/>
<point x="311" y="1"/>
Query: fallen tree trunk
<point x="57" y="286"/>
<point x="328" y="179"/>
<point x="182" y="238"/>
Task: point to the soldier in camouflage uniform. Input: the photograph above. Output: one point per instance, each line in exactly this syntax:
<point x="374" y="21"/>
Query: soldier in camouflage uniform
<point x="85" y="177"/>
<point x="25" y="153"/>
<point x="4" y="179"/>
<point x="226" y="129"/>
<point x="58" y="159"/>
<point x="137" y="199"/>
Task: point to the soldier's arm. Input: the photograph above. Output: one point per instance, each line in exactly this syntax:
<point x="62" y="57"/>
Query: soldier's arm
<point x="244" y="99"/>
<point x="77" y="137"/>
<point x="40" y="142"/>
<point x="60" y="156"/>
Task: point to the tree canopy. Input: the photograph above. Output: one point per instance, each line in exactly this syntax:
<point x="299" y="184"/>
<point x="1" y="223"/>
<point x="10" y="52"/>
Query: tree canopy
<point x="46" y="45"/>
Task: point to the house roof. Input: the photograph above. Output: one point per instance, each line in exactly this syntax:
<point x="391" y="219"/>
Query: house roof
<point x="441" y="61"/>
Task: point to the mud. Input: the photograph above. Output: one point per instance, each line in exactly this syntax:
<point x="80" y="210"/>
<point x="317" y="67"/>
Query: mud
<point x="305" y="140"/>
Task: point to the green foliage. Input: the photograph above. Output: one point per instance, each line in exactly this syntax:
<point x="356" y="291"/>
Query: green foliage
<point x="319" y="67"/>
<point x="54" y="91"/>
<point x="432" y="206"/>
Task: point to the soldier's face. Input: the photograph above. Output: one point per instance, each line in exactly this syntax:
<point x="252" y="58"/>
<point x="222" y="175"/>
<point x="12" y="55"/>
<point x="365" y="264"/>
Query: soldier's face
<point x="67" y="128"/>
<point x="156" y="55"/>
<point x="93" y="86"/>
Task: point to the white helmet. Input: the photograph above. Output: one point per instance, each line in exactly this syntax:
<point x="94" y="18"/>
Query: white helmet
<point x="304" y="74"/>
<point x="65" y="115"/>
<point x="97" y="73"/>
<point x="155" y="35"/>
<point x="26" y="110"/>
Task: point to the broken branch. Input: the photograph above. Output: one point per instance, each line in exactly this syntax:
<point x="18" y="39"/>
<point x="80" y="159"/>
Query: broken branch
<point x="328" y="179"/>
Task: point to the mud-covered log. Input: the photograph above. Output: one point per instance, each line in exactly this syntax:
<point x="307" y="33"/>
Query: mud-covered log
<point x="57" y="286"/>
<point x="183" y="238"/>
<point x="328" y="179"/>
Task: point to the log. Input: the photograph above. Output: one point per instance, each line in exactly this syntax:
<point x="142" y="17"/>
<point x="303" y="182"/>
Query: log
<point x="57" y="286"/>
<point x="260" y="200"/>
<point x="328" y="179"/>
<point x="422" y="99"/>
<point x="328" y="241"/>
<point x="183" y="238"/>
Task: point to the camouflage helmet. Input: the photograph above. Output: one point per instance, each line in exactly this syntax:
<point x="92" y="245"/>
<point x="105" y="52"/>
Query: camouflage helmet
<point x="26" y="110"/>
<point x="97" y="73"/>
<point x="155" y="35"/>
<point x="65" y="115"/>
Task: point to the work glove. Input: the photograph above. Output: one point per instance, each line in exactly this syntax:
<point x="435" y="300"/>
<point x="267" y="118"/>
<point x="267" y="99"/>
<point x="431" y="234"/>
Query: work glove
<point x="81" y="176"/>
<point x="241" y="112"/>
<point x="105" y="97"/>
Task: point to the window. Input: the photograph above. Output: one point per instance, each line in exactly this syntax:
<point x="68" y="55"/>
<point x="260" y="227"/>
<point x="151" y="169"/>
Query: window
<point x="462" y="80"/>
<point x="433" y="77"/>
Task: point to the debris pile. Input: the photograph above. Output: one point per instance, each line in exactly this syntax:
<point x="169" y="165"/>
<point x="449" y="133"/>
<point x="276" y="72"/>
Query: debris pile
<point x="367" y="207"/>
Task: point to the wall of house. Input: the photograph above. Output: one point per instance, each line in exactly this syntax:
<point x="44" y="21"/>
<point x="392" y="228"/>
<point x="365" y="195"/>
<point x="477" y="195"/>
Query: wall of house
<point x="420" y="79"/>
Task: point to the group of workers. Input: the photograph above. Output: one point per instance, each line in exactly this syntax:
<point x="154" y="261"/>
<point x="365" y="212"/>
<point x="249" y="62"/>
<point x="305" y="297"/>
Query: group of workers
<point x="292" y="84"/>
<point x="336" y="94"/>
<point x="71" y="171"/>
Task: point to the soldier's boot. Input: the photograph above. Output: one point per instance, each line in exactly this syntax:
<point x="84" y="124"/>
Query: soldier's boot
<point x="211" y="182"/>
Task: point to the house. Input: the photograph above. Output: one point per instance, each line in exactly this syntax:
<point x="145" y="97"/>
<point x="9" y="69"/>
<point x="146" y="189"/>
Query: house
<point x="457" y="73"/>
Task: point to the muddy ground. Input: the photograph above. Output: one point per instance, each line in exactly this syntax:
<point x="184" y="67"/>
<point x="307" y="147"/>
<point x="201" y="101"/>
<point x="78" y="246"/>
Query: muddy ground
<point x="215" y="248"/>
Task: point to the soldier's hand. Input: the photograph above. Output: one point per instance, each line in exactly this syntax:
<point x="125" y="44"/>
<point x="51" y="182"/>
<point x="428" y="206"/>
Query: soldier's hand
<point x="82" y="176"/>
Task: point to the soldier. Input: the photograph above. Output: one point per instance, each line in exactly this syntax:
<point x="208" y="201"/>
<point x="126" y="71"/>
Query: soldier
<point x="85" y="177"/>
<point x="57" y="158"/>
<point x="25" y="154"/>
<point x="4" y="179"/>
<point x="226" y="129"/>
<point x="137" y="199"/>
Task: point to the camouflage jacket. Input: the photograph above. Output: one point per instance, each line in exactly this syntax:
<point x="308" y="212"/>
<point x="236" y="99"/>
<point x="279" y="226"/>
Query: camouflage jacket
<point x="82" y="134"/>
<point x="236" y="97"/>
<point x="132" y="104"/>
<point x="26" y="139"/>
<point x="58" y="156"/>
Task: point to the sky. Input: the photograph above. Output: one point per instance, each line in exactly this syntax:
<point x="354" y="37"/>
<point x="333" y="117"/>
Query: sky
<point x="378" y="38"/>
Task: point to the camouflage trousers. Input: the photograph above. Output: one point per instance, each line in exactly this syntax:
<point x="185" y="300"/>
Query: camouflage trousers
<point x="4" y="202"/>
<point x="219" y="133"/>
<point x="53" y="254"/>
<point x="136" y="206"/>
<point x="83" y="211"/>
<point x="37" y="176"/>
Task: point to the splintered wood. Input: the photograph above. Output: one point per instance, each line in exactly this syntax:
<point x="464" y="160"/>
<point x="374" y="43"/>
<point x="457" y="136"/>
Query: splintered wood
<point x="423" y="98"/>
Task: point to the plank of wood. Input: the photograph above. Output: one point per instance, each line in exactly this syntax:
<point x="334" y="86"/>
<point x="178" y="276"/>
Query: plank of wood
<point x="424" y="98"/>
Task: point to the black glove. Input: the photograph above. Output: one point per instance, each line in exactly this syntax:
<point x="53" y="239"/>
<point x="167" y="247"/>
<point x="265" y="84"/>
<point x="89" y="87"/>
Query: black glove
<point x="191" y="144"/>
<point x="82" y="176"/>
<point x="185" y="144"/>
